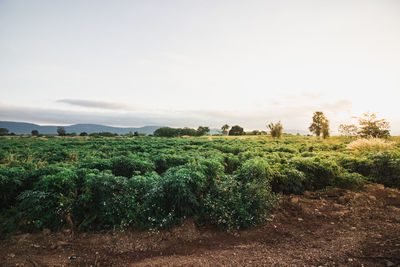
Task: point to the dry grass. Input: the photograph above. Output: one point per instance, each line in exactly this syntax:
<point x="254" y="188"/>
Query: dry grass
<point x="370" y="145"/>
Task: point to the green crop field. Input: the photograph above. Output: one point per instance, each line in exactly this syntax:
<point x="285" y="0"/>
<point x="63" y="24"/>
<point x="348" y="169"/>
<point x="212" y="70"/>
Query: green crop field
<point x="92" y="184"/>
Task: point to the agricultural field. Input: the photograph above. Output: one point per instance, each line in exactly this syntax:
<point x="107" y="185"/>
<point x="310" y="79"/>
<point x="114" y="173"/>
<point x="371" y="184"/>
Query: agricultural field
<point x="92" y="184"/>
<point x="86" y="185"/>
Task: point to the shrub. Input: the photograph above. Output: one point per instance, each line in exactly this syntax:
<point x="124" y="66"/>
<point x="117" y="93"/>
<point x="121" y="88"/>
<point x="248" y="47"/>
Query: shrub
<point x="243" y="199"/>
<point x="4" y="156"/>
<point x="233" y="149"/>
<point x="232" y="204"/>
<point x="174" y="197"/>
<point x="361" y="165"/>
<point x="96" y="163"/>
<point x="212" y="168"/>
<point x="370" y="145"/>
<point x="386" y="168"/>
<point x="12" y="181"/>
<point x="38" y="209"/>
<point x="63" y="182"/>
<point x="255" y="170"/>
<point x="128" y="166"/>
<point x="165" y="161"/>
<point x="55" y="154"/>
<point x="106" y="203"/>
<point x="289" y="181"/>
<point x="350" y="181"/>
<point x="50" y="202"/>
<point x="321" y="173"/>
<point x="224" y="207"/>
<point x="232" y="162"/>
<point x="283" y="149"/>
<point x="47" y="170"/>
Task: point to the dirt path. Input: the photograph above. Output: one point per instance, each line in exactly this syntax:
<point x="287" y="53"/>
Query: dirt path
<point x="337" y="228"/>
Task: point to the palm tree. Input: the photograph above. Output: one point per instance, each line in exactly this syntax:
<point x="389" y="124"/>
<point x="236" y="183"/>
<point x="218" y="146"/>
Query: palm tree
<point x="224" y="129"/>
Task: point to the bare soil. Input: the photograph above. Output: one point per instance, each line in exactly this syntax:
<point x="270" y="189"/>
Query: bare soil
<point x="334" y="228"/>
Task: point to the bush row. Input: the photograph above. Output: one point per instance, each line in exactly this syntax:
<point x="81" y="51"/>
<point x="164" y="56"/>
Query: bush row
<point x="97" y="184"/>
<point x="91" y="199"/>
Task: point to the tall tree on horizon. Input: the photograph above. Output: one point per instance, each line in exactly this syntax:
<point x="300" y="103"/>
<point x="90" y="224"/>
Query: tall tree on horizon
<point x="318" y="121"/>
<point x="236" y="130"/>
<point x="276" y="129"/>
<point x="202" y="130"/>
<point x="370" y="126"/>
<point x="325" y="129"/>
<point x="3" y="131"/>
<point x="225" y="129"/>
<point x="61" y="131"/>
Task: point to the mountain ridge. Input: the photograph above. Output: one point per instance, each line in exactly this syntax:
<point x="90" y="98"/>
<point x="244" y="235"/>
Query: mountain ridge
<point x="26" y="128"/>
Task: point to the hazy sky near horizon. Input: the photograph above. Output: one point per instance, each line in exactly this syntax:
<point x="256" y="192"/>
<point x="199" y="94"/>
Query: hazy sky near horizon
<point x="190" y="63"/>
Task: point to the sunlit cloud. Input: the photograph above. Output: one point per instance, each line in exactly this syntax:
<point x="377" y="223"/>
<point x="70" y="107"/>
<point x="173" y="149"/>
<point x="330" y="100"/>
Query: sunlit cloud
<point x="343" y="106"/>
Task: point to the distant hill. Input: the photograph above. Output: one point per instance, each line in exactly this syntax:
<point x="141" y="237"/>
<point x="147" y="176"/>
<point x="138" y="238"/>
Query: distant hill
<point x="26" y="128"/>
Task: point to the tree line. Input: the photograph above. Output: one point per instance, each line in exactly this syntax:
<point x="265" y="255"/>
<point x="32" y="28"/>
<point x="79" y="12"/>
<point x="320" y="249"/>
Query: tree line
<point x="369" y="126"/>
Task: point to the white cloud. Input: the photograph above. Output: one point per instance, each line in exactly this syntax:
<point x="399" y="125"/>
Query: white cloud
<point x="97" y="104"/>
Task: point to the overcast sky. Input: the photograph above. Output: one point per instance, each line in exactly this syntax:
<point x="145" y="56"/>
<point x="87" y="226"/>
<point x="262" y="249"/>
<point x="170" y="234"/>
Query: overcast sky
<point x="190" y="63"/>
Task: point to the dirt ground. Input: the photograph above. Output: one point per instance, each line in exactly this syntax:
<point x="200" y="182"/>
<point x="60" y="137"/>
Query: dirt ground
<point x="335" y="228"/>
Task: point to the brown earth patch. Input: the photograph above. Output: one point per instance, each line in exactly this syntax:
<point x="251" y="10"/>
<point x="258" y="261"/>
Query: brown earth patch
<point x="334" y="228"/>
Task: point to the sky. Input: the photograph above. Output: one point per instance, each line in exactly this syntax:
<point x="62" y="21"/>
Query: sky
<point x="199" y="62"/>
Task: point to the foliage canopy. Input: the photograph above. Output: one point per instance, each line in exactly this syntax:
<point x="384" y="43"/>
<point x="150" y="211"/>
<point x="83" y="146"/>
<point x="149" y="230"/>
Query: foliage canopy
<point x="275" y="129"/>
<point x="236" y="130"/>
<point x="371" y="126"/>
<point x="320" y="124"/>
<point x="151" y="183"/>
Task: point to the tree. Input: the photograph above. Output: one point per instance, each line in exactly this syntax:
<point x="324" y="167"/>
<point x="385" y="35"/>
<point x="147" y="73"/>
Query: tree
<point x="187" y="131"/>
<point x="61" y="131"/>
<point x="35" y="132"/>
<point x="83" y="134"/>
<point x="325" y="129"/>
<point x="136" y="133"/>
<point x="103" y="134"/>
<point x="254" y="132"/>
<point x="166" y="132"/>
<point x="348" y="129"/>
<point x="236" y="130"/>
<point x="318" y="120"/>
<point x="3" y="131"/>
<point x="276" y="129"/>
<point x="225" y="129"/>
<point x="370" y="126"/>
<point x="202" y="130"/>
